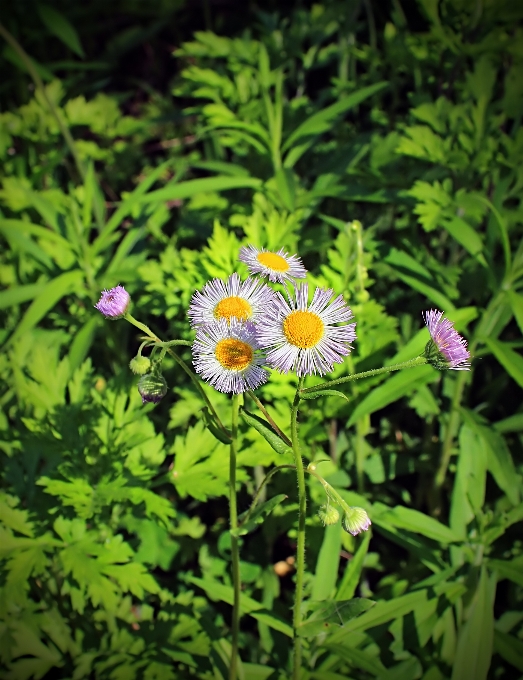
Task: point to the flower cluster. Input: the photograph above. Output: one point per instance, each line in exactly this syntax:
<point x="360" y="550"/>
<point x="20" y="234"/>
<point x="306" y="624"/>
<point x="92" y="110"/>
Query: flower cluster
<point x="243" y="327"/>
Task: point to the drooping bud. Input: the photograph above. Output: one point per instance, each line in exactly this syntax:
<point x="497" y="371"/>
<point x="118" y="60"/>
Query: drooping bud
<point x="328" y="515"/>
<point x="152" y="388"/>
<point x="355" y="521"/>
<point x="446" y="349"/>
<point x="140" y="365"/>
<point x="114" y="303"/>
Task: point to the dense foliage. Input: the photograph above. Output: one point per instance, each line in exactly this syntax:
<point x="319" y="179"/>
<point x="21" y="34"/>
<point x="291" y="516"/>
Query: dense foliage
<point x="384" y="145"/>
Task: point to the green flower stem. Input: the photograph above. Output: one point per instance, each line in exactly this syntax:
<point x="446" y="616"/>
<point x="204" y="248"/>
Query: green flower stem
<point x="172" y="343"/>
<point x="329" y="490"/>
<point x="300" y="549"/>
<point x="26" y="60"/>
<point x="128" y="317"/>
<point x="235" y="552"/>
<point x="260" y="489"/>
<point x="417" y="361"/>
<point x="271" y="421"/>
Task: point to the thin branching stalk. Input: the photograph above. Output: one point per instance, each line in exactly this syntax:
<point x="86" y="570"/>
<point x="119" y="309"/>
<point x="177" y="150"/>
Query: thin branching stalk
<point x="270" y="420"/>
<point x="180" y="363"/>
<point x="235" y="551"/>
<point x="300" y="548"/>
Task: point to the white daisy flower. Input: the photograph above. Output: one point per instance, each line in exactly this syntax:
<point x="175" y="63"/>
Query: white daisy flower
<point x="303" y="337"/>
<point x="279" y="266"/>
<point x="230" y="299"/>
<point x="226" y="354"/>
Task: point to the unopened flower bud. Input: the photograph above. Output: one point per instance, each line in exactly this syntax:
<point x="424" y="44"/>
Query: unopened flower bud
<point x="355" y="521"/>
<point x="152" y="387"/>
<point x="328" y="515"/>
<point x="114" y="303"/>
<point x="140" y="365"/>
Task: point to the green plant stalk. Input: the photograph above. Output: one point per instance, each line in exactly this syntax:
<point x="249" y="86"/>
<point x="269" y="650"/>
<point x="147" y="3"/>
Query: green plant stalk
<point x="270" y="420"/>
<point x="180" y="362"/>
<point x="411" y="363"/>
<point x="40" y="86"/>
<point x="300" y="548"/>
<point x="235" y="551"/>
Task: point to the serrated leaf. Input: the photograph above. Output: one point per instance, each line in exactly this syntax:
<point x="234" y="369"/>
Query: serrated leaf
<point x="259" y="513"/>
<point x="266" y="431"/>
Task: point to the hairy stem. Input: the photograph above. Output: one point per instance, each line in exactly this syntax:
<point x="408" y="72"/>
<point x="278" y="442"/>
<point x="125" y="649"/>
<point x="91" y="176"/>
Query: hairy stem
<point x="300" y="549"/>
<point x="411" y="363"/>
<point x="235" y="551"/>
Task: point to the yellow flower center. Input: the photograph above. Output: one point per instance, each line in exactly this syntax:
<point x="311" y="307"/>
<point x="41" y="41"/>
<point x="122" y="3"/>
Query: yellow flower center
<point x="233" y="354"/>
<point x="273" y="261"/>
<point x="233" y="306"/>
<point x="303" y="329"/>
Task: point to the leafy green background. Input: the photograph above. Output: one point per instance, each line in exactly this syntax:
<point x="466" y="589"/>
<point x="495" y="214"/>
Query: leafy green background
<point x="383" y="143"/>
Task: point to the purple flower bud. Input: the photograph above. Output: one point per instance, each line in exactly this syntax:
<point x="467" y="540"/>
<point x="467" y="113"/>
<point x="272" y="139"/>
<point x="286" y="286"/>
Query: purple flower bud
<point x="114" y="303"/>
<point x="152" y="388"/>
<point x="356" y="520"/>
<point x="446" y="349"/>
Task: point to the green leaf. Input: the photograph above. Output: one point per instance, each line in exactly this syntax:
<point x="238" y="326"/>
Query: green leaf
<point x="410" y="669"/>
<point x="125" y="208"/>
<point x="383" y="612"/>
<point x="321" y="121"/>
<point x="417" y="277"/>
<point x="468" y="494"/>
<point x="329" y="615"/>
<point x="259" y="513"/>
<point x="399" y="385"/>
<point x="266" y="431"/>
<point x="499" y="461"/>
<point x="475" y="639"/>
<point x="327" y="565"/>
<point x="417" y="522"/>
<point x="192" y="187"/>
<point x="53" y="291"/>
<point x="60" y="27"/>
<point x="323" y="393"/>
<point x="285" y="185"/>
<point x="213" y="428"/>
<point x="366" y="660"/>
<point x="247" y="605"/>
<point x="466" y="236"/>
<point x="18" y="294"/>
<point x="510" y="648"/>
<point x="82" y="342"/>
<point x="510" y="360"/>
<point x="513" y="569"/>
<point x="352" y="574"/>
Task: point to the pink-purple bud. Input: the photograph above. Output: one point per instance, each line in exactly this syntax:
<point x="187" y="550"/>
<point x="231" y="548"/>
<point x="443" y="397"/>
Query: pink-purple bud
<point x="114" y="303"/>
